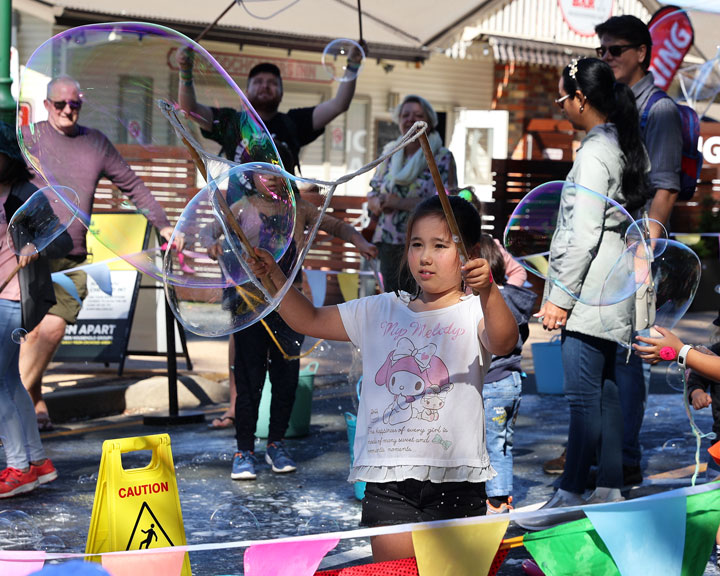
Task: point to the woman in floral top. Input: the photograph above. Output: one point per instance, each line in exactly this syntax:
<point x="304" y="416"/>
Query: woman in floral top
<point x="402" y="182"/>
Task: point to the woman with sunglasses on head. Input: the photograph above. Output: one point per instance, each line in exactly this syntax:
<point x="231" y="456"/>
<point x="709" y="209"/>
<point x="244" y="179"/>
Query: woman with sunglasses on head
<point x="585" y="245"/>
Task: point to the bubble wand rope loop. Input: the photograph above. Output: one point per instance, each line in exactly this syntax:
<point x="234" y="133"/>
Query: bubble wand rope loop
<point x="225" y="209"/>
<point x="449" y="216"/>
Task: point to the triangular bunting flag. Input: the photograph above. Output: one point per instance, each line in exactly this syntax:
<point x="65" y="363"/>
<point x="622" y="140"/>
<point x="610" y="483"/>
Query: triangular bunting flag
<point x="714" y="450"/>
<point x="20" y="562"/>
<point x="703" y="518"/>
<point x="101" y="274"/>
<point x="349" y="285"/>
<point x="317" y="280"/>
<point x="570" y="549"/>
<point x="458" y="550"/>
<point x="652" y="538"/>
<point x="300" y="558"/>
<point x="160" y="562"/>
<point x="67" y="284"/>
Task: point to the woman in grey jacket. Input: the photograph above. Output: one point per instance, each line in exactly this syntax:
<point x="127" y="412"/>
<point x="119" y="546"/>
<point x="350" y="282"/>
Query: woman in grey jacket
<point x="24" y="300"/>
<point x="586" y="244"/>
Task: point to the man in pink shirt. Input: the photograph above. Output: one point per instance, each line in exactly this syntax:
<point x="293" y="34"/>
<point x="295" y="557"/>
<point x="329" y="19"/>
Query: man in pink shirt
<point x="72" y="155"/>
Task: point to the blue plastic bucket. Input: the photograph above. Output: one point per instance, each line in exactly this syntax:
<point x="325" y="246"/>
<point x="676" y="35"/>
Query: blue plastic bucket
<point x="547" y="360"/>
<point x="351" y="421"/>
<point x="300" y="416"/>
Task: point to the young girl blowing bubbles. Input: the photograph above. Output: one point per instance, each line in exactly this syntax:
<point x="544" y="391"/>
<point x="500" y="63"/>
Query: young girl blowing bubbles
<point x="420" y="442"/>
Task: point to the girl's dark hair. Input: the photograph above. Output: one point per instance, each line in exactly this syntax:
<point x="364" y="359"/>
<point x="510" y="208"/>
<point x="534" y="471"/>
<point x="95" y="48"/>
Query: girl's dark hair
<point x="488" y="249"/>
<point x="468" y="220"/>
<point x="595" y="79"/>
<point x="15" y="171"/>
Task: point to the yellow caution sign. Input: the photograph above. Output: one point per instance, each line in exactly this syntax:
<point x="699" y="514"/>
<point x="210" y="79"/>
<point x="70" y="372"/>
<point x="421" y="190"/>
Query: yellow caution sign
<point x="136" y="509"/>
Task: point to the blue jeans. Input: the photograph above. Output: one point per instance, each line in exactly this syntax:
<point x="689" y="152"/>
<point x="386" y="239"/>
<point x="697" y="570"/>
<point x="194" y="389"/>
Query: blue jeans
<point x="18" y="424"/>
<point x="595" y="416"/>
<point x="502" y="401"/>
<point x="633" y="380"/>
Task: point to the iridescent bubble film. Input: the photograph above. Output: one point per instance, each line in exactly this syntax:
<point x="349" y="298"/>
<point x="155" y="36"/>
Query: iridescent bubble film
<point x="133" y="81"/>
<point x="253" y="205"/>
<point x="664" y="297"/>
<point x="551" y="212"/>
<point x="42" y="218"/>
<point x="343" y="59"/>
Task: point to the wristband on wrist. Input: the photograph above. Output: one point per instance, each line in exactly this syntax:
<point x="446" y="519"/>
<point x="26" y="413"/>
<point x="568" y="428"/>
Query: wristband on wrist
<point x="352" y="66"/>
<point x="682" y="356"/>
<point x="667" y="353"/>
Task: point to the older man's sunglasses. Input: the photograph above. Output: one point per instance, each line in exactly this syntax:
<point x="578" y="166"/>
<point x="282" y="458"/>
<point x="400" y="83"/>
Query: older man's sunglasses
<point x="616" y="50"/>
<point x="60" y="104"/>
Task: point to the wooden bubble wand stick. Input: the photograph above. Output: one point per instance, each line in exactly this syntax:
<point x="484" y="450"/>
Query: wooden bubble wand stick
<point x="444" y="200"/>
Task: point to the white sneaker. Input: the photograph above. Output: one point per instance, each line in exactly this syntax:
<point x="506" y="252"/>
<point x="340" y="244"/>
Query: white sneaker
<point x="605" y="495"/>
<point x="561" y="499"/>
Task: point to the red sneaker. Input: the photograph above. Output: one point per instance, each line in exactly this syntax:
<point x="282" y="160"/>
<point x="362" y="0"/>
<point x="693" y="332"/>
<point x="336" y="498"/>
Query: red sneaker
<point x="45" y="472"/>
<point x="14" y="482"/>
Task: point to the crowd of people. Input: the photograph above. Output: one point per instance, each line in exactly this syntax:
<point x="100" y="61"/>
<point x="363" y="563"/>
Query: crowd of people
<point x="443" y="343"/>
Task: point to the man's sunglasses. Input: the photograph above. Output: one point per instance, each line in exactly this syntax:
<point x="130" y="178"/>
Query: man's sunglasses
<point x="616" y="50"/>
<point x="60" y="104"/>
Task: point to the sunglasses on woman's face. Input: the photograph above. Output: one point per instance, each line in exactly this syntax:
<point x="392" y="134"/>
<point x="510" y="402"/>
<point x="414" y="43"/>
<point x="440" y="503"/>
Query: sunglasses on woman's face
<point x="60" y="104"/>
<point x="616" y="50"/>
<point x="561" y="101"/>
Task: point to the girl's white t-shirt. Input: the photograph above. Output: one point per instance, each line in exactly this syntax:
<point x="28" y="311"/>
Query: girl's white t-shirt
<point x="421" y="410"/>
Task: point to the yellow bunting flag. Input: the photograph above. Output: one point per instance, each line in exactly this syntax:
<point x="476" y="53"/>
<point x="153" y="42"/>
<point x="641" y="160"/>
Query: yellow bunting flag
<point x="349" y="285"/>
<point x="458" y="550"/>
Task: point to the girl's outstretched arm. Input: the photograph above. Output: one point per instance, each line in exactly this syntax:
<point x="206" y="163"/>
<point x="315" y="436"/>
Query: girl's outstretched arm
<point x="500" y="327"/>
<point x="299" y="313"/>
<point x="704" y="364"/>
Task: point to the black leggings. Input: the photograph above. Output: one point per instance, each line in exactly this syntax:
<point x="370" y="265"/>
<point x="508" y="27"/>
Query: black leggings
<point x="255" y="355"/>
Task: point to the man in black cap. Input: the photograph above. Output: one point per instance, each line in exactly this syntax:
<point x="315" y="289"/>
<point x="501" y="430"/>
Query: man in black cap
<point x="252" y="352"/>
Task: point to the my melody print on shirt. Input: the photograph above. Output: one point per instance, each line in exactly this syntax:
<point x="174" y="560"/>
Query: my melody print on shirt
<point x="421" y="400"/>
<point x="410" y="374"/>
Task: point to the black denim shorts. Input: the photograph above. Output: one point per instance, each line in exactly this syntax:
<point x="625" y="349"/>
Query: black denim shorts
<point x="410" y="501"/>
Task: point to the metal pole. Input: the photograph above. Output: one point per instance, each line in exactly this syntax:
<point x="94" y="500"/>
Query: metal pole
<point x="8" y="106"/>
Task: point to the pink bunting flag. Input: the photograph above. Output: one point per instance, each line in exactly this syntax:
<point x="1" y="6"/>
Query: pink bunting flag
<point x="163" y="562"/>
<point x="20" y="562"/>
<point x="300" y="558"/>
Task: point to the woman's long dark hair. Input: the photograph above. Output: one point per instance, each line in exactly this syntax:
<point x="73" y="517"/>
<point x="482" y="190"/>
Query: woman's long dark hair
<point x="615" y="100"/>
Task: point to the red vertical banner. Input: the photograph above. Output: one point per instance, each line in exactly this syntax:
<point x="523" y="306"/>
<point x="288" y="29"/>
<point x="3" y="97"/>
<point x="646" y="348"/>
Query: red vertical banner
<point x="672" y="36"/>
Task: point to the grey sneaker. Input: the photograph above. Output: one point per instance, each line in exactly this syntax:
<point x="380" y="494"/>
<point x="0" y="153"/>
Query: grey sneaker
<point x="277" y="456"/>
<point x="561" y="499"/>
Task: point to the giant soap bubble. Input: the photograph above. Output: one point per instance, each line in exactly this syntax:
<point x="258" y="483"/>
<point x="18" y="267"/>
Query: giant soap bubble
<point x="666" y="295"/>
<point x="343" y="59"/>
<point x="250" y="205"/>
<point x="42" y="218"/>
<point x="131" y="84"/>
<point x="542" y="217"/>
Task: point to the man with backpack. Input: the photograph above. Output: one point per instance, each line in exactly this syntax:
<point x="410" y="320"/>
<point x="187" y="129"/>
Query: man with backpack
<point x="626" y="45"/>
